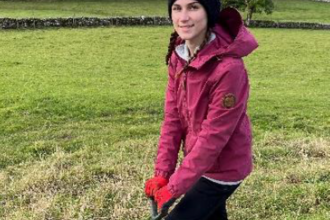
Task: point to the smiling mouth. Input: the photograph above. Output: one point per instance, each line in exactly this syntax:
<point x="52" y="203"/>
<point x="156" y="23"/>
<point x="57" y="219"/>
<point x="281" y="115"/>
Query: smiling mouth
<point x="186" y="26"/>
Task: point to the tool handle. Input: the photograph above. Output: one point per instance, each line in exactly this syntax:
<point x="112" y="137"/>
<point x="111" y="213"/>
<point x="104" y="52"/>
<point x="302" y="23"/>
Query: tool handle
<point x="153" y="207"/>
<point x="163" y="212"/>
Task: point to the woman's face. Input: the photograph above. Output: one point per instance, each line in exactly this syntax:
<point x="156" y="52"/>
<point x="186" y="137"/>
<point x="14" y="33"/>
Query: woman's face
<point x="190" y="20"/>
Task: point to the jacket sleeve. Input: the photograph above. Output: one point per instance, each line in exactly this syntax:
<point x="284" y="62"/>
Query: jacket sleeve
<point x="171" y="132"/>
<point x="216" y="129"/>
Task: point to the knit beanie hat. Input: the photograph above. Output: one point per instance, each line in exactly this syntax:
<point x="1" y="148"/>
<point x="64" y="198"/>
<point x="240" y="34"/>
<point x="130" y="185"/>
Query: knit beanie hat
<point x="212" y="8"/>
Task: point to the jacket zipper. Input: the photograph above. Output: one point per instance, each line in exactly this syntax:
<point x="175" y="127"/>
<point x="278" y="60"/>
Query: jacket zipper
<point x="185" y="77"/>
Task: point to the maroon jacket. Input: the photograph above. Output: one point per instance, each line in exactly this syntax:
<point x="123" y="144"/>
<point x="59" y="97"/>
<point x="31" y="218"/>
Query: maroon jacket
<point x="205" y="109"/>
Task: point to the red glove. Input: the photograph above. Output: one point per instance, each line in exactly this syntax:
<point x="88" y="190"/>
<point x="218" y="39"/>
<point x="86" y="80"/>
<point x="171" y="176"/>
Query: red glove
<point x="162" y="196"/>
<point x="154" y="184"/>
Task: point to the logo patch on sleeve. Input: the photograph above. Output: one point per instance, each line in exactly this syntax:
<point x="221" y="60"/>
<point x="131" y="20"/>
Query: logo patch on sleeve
<point x="229" y="100"/>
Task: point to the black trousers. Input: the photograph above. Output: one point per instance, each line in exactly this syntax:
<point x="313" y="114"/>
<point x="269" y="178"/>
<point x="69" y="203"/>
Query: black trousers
<point x="205" y="201"/>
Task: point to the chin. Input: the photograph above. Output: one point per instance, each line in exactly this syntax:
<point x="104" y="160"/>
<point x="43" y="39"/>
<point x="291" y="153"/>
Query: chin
<point x="186" y="36"/>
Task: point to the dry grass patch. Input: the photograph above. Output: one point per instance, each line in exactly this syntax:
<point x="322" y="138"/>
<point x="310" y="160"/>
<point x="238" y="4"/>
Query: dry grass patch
<point x="42" y="187"/>
<point x="312" y="147"/>
<point x="94" y="183"/>
<point x="107" y="181"/>
<point x="290" y="179"/>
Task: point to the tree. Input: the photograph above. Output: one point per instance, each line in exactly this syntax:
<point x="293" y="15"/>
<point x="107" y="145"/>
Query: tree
<point x="250" y="6"/>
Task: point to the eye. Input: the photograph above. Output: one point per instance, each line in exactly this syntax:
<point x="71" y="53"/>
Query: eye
<point x="194" y="7"/>
<point x="176" y="8"/>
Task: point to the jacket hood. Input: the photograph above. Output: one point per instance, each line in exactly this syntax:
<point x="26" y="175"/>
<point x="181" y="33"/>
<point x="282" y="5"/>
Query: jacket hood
<point x="232" y="39"/>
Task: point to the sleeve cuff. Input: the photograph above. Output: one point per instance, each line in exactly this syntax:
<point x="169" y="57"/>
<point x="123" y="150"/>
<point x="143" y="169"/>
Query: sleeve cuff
<point x="162" y="173"/>
<point x="172" y="191"/>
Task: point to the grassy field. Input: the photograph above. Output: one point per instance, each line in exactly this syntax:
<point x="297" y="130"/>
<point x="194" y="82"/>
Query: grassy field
<point x="80" y="112"/>
<point x="285" y="10"/>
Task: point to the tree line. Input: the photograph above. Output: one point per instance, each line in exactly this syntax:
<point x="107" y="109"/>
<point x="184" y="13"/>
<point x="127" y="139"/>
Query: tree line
<point x="250" y="6"/>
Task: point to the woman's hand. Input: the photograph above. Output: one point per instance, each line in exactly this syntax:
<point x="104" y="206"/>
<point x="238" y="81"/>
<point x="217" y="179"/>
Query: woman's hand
<point x="162" y="196"/>
<point x="154" y="184"/>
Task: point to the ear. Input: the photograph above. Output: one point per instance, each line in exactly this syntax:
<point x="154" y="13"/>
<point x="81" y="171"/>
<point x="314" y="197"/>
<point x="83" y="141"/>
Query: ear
<point x="231" y="20"/>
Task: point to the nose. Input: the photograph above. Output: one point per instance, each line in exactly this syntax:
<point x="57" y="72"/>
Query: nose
<point x="184" y="16"/>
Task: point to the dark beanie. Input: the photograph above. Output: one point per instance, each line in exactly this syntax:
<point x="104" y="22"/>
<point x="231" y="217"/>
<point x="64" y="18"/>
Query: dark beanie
<point x="212" y="8"/>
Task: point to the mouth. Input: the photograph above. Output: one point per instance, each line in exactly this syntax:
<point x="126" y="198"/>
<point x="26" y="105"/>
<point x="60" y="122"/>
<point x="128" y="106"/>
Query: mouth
<point x="185" y="26"/>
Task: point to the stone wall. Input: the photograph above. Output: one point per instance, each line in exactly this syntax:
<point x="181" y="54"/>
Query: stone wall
<point x="33" y="23"/>
<point x="9" y="23"/>
<point x="289" y="25"/>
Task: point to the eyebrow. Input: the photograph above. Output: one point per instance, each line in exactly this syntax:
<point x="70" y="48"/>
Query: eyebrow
<point x="191" y="3"/>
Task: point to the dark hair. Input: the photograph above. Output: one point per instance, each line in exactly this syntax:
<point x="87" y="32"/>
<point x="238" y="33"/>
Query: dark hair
<point x="171" y="46"/>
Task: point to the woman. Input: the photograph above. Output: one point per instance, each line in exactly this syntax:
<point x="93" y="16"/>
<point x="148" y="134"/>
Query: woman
<point x="205" y="111"/>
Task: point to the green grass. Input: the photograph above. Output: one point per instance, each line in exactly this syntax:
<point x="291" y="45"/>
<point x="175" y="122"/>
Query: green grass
<point x="285" y="10"/>
<point x="298" y="10"/>
<point x="82" y="8"/>
<point x="80" y="112"/>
